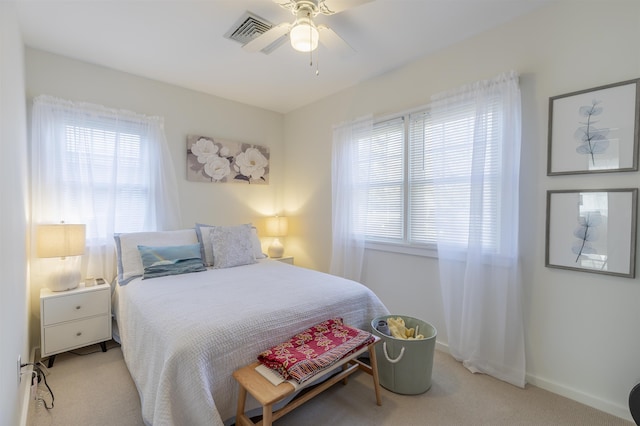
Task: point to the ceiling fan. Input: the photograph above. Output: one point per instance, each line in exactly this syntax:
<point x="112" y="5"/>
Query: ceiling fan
<point x="303" y="33"/>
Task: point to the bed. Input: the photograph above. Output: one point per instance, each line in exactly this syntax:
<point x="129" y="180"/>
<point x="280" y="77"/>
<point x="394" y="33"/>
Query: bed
<point x="183" y="335"/>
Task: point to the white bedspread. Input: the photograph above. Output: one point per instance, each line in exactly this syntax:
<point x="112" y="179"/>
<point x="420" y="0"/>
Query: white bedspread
<point x="183" y="336"/>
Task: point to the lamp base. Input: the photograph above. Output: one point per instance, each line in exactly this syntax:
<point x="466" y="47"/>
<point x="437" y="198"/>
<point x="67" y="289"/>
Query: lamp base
<point x="67" y="276"/>
<point x="62" y="286"/>
<point x="276" y="249"/>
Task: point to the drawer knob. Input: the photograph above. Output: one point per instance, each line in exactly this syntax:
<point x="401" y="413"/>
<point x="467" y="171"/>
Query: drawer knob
<point x="78" y="307"/>
<point x="79" y="333"/>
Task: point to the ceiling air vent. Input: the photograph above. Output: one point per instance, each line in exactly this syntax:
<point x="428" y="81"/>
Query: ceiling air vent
<point x="250" y="26"/>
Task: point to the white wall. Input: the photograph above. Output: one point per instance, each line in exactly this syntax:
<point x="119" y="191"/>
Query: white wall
<point x="185" y="112"/>
<point x="14" y="286"/>
<point x="581" y="329"/>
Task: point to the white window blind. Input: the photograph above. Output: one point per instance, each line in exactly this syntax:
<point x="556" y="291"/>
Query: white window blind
<point x="402" y="162"/>
<point x="422" y="221"/>
<point x="111" y="156"/>
<point x="470" y="189"/>
<point x="383" y="162"/>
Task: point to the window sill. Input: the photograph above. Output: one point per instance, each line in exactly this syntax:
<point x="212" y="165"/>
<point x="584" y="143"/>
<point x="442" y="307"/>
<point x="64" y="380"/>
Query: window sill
<point x="424" y="251"/>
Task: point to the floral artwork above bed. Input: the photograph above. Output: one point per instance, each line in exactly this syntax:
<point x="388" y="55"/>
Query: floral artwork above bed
<point x="216" y="160"/>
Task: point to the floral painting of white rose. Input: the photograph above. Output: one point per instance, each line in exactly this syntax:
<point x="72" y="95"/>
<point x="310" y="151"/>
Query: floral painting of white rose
<point x="216" y="160"/>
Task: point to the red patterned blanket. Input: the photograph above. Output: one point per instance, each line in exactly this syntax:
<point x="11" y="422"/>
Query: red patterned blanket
<point x="315" y="349"/>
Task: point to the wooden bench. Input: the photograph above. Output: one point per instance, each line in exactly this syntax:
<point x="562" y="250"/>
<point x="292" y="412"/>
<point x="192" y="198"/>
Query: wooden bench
<point x="267" y="394"/>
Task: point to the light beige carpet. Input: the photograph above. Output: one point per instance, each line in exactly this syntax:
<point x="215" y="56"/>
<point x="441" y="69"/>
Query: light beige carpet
<point x="97" y="390"/>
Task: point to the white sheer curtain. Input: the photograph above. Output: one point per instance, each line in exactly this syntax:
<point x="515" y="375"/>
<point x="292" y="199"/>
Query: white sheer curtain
<point x="349" y="179"/>
<point x="109" y="169"/>
<point x="477" y="185"/>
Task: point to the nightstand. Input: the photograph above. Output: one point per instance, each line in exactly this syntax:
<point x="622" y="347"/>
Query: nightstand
<point x="74" y="318"/>
<point x="285" y="259"/>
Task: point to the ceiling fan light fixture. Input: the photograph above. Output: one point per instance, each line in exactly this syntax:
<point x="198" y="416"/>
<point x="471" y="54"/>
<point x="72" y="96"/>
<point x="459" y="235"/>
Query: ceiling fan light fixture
<point x="304" y="35"/>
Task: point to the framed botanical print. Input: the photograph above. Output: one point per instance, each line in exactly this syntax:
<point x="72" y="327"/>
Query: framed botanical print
<point x="595" y="130"/>
<point x="592" y="230"/>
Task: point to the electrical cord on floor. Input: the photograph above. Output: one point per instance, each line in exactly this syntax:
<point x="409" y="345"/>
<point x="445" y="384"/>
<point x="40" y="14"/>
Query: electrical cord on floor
<point x="39" y="373"/>
<point x="109" y="346"/>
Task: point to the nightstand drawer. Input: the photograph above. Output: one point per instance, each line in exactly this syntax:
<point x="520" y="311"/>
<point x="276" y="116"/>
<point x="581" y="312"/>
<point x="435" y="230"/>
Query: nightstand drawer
<point x="75" y="306"/>
<point x="59" y="338"/>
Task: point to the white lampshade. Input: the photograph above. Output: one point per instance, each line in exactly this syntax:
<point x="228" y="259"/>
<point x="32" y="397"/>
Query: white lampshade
<point x="277" y="226"/>
<point x="64" y="241"/>
<point x="60" y="240"/>
<point x="304" y="35"/>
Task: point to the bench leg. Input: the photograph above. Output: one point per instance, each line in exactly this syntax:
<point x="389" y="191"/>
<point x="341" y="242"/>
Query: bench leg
<point x="374" y="373"/>
<point x="242" y="396"/>
<point x="267" y="415"/>
<point x="346" y="379"/>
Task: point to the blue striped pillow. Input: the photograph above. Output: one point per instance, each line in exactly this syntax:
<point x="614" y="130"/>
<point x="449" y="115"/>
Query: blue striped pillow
<point x="170" y="260"/>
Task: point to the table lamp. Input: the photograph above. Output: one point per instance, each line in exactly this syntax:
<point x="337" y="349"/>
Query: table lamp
<point x="277" y="227"/>
<point x="63" y="240"/>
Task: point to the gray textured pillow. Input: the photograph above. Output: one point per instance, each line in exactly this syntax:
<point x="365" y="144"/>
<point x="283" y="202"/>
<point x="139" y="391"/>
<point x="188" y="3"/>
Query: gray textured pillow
<point x="232" y="246"/>
<point x="205" y="233"/>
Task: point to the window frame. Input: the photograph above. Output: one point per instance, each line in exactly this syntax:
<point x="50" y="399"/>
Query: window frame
<point x="405" y="245"/>
<point x="133" y="138"/>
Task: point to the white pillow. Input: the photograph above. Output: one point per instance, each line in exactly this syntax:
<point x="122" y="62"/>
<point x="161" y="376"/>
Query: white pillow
<point x="232" y="246"/>
<point x="205" y="233"/>
<point x="129" y="261"/>
<point x="257" y="246"/>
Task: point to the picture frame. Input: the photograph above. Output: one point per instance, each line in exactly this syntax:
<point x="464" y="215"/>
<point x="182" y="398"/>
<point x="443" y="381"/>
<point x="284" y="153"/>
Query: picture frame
<point x="595" y="130"/>
<point x="215" y="160"/>
<point x="592" y="230"/>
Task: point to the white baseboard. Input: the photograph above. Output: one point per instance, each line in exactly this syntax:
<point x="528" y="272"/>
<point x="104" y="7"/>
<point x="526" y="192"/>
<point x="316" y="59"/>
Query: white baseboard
<point x="442" y="347"/>
<point x="25" y="390"/>
<point x="573" y="394"/>
<point x="581" y="397"/>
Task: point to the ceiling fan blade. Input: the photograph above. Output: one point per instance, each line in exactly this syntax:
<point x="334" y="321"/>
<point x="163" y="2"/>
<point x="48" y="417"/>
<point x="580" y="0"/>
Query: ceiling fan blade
<point x="334" y="42"/>
<point x="329" y="7"/>
<point x="287" y="4"/>
<point x="264" y="40"/>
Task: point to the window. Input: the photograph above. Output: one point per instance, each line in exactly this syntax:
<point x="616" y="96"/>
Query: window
<point x="381" y="165"/>
<point x="467" y="146"/>
<point x="108" y="169"/>
<point x="408" y="154"/>
<point x="421" y="196"/>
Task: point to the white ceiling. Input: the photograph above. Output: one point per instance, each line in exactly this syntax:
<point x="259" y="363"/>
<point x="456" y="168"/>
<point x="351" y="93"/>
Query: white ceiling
<point x="182" y="41"/>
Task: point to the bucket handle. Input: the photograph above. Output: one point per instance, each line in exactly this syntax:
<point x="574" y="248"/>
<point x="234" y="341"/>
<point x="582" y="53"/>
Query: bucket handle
<point x="386" y="355"/>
